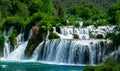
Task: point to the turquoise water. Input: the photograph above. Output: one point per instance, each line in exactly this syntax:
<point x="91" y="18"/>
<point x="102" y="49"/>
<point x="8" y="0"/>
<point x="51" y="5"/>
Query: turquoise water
<point x="36" y="66"/>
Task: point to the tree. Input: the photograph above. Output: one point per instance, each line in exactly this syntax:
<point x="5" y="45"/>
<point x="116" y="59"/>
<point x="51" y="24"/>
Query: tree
<point x="113" y="13"/>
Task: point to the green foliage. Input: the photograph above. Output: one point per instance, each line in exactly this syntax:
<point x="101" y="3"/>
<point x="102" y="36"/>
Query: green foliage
<point x="12" y="38"/>
<point x="117" y="17"/>
<point x="87" y="23"/>
<point x="89" y="68"/>
<point x="2" y="39"/>
<point x="113" y="13"/>
<point x="85" y="12"/>
<point x="101" y="22"/>
<point x="103" y="5"/>
<point x="22" y="11"/>
<point x="110" y="65"/>
<point x="115" y="37"/>
<point x="35" y="6"/>
<point x="13" y="21"/>
<point x="63" y="21"/>
<point x="5" y="7"/>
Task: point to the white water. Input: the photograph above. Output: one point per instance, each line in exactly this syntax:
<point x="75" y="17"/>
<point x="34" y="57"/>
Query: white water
<point x="18" y="53"/>
<point x="84" y="50"/>
<point x="6" y="47"/>
<point x="20" y="39"/>
<point x="30" y="34"/>
<point x="70" y="51"/>
<point x="7" y="42"/>
<point x="67" y="32"/>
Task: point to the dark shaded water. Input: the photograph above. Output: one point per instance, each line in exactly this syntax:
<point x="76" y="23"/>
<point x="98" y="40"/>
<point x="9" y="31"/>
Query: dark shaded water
<point x="36" y="66"/>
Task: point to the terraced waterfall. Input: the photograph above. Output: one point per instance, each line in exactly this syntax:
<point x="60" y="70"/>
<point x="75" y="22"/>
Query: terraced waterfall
<point x="75" y="46"/>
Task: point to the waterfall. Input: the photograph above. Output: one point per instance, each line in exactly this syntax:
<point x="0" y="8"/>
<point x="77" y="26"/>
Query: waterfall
<point x="18" y="53"/>
<point x="70" y="51"/>
<point x="19" y="38"/>
<point x="6" y="47"/>
<point x="7" y="42"/>
<point x="68" y="32"/>
<point x="86" y="49"/>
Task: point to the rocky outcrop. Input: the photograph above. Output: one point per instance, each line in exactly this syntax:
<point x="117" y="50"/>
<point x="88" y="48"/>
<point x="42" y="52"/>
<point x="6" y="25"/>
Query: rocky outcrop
<point x="34" y="41"/>
<point x="53" y="35"/>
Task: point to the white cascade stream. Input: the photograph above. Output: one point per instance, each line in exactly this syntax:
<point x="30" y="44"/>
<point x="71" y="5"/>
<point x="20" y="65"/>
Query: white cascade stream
<point x="7" y="42"/>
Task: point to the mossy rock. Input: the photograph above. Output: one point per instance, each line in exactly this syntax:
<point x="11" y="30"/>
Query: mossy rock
<point x="32" y="44"/>
<point x="53" y="35"/>
<point x="76" y="36"/>
<point x="34" y="41"/>
<point x="100" y="36"/>
<point x="51" y="29"/>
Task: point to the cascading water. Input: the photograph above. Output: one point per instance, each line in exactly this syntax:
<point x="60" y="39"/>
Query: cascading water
<point x="18" y="53"/>
<point x="19" y="38"/>
<point x="70" y="51"/>
<point x="6" y="47"/>
<point x="84" y="50"/>
<point x="30" y="34"/>
<point x="7" y="42"/>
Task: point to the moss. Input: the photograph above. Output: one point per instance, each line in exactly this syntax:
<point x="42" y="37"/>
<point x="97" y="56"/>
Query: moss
<point x="53" y="35"/>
